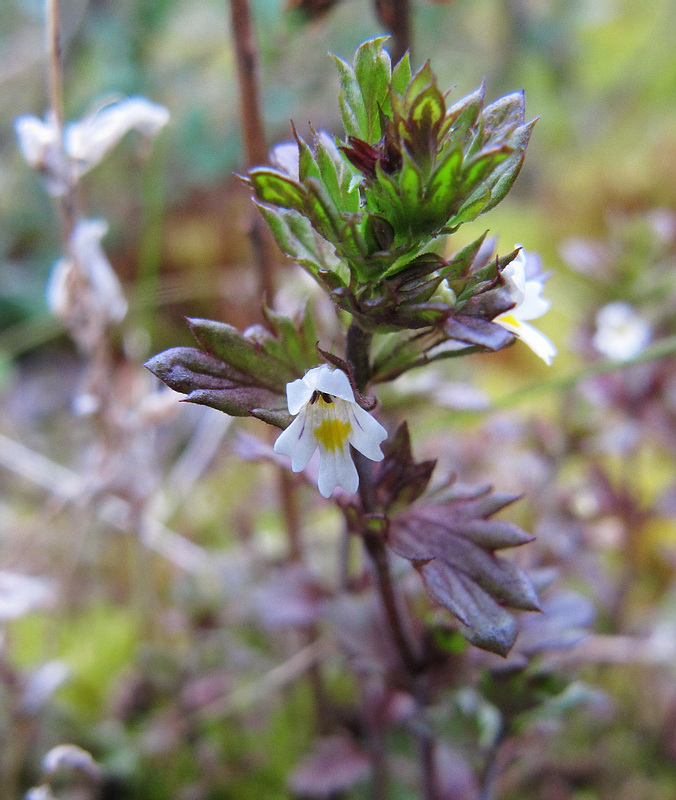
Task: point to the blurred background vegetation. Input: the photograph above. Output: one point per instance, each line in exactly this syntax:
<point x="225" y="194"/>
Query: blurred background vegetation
<point x="601" y="166"/>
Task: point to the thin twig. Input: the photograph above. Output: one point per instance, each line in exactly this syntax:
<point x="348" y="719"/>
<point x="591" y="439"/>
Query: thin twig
<point x="70" y="487"/>
<point x="259" y="690"/>
<point x="55" y="71"/>
<point x="253" y="134"/>
<point x="67" y="203"/>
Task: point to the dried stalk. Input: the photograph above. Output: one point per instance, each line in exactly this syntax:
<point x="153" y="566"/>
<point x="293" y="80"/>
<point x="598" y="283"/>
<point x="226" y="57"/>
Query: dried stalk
<point x="253" y="135"/>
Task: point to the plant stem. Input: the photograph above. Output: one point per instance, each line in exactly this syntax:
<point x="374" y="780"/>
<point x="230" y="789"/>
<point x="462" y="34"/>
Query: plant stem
<point x="492" y="767"/>
<point x="67" y="204"/>
<point x="55" y="70"/>
<point x="288" y="498"/>
<point x="358" y="356"/>
<point x="375" y="547"/>
<point x="358" y="351"/>
<point x="253" y="135"/>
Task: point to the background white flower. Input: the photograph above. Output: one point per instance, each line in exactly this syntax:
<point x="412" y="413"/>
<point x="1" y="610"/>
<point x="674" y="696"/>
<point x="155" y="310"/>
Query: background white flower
<point x="621" y="333"/>
<point x="329" y="419"/>
<point x="88" y="261"/>
<point x="525" y="283"/>
<point x="87" y="141"/>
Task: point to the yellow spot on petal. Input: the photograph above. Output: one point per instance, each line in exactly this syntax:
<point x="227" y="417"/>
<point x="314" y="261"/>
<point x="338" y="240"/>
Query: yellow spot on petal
<point x="510" y="319"/>
<point x="332" y="433"/>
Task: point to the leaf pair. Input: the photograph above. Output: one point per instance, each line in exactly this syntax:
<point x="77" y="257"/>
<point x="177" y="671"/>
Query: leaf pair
<point x="240" y="374"/>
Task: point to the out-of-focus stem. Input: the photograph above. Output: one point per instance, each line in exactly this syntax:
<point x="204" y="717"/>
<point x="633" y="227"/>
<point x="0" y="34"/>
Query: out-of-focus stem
<point x="492" y="767"/>
<point x="55" y="70"/>
<point x="67" y="203"/>
<point x="395" y="15"/>
<point x="253" y="134"/>
<point x="288" y="497"/>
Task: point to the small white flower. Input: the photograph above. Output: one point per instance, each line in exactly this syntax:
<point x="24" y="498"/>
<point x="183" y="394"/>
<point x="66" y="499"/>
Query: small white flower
<point x="85" y="142"/>
<point x="87" y="260"/>
<point x="328" y="419"/>
<point x="526" y="291"/>
<point x="88" y="140"/>
<point x="21" y="594"/>
<point x="621" y="334"/>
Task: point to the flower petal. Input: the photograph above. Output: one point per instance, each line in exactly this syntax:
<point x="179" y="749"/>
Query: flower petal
<point x="298" y="442"/>
<point x="514" y="274"/>
<point x="336" y="468"/>
<point x="35" y="137"/>
<point x="298" y="394"/>
<point x="331" y="381"/>
<point x="533" y="304"/>
<point x="540" y="344"/>
<point x="367" y="433"/>
<point x="88" y="140"/>
<point x="86" y="245"/>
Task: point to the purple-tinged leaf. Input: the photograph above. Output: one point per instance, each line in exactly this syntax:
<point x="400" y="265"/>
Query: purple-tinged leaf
<point x="400" y="479"/>
<point x="451" y="543"/>
<point x="477" y="331"/>
<point x="232" y="348"/>
<point x="208" y="381"/>
<point x="489" y="305"/>
<point x="484" y="622"/>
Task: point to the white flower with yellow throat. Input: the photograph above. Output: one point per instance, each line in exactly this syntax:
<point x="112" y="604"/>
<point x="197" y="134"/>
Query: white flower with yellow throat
<point x="328" y="418"/>
<point x="526" y="291"/>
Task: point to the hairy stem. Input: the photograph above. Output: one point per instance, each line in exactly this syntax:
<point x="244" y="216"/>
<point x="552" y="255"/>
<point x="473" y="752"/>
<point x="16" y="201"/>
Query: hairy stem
<point x="253" y="134"/>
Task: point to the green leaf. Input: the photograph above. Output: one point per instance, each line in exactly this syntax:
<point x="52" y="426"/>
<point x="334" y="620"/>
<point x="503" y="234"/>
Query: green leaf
<point x="276" y="189"/>
<point x="482" y="164"/>
<point x="322" y="211"/>
<point x="503" y="178"/>
<point x="307" y="166"/>
<point x="462" y="261"/>
<point x="373" y="68"/>
<point x="473" y="206"/>
<point x="226" y="343"/>
<point x="296" y="237"/>
<point x="505" y="114"/>
<point x="293" y="344"/>
<point x="422" y="78"/>
<point x="336" y="175"/>
<point x="463" y="115"/>
<point x="355" y="117"/>
<point x="401" y="75"/>
<point x="410" y="184"/>
<point x="428" y="108"/>
<point x="442" y="186"/>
